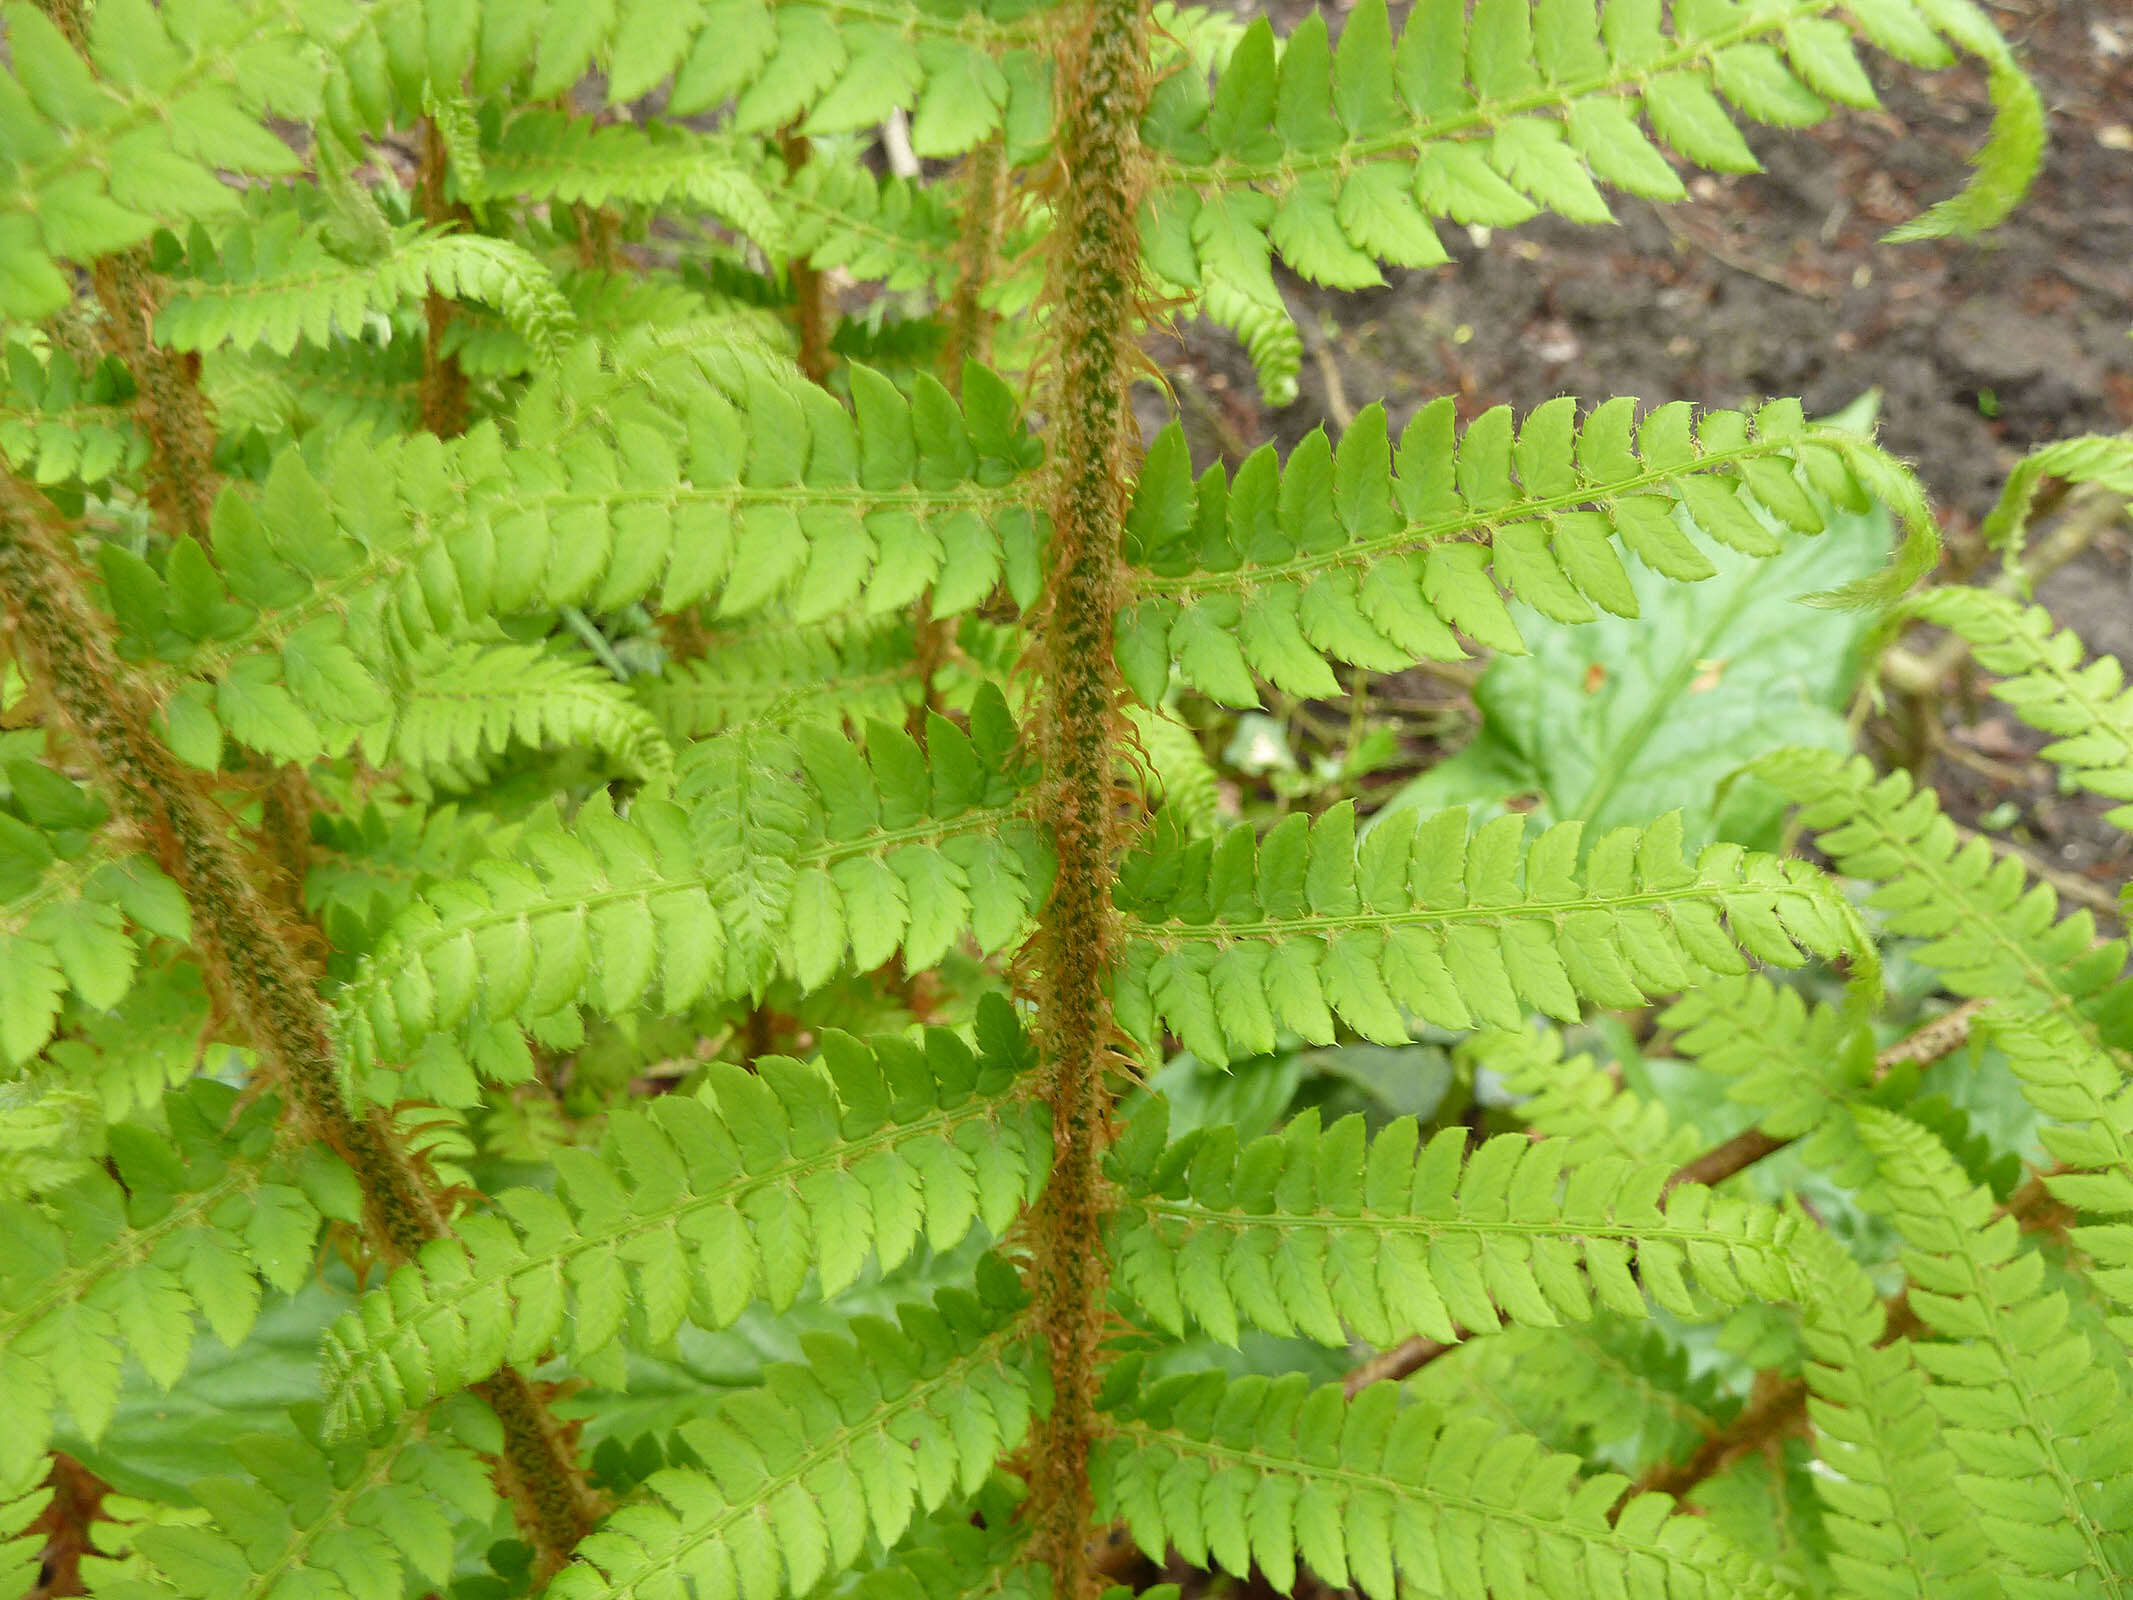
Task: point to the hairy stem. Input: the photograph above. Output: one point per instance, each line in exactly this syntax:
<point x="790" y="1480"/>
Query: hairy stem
<point x="444" y="384"/>
<point x="1095" y="290"/>
<point x="977" y="257"/>
<point x="248" y="947"/>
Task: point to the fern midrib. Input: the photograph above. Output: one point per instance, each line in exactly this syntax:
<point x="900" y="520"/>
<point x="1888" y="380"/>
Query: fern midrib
<point x="1381" y="1222"/>
<point x="1471" y="527"/>
<point x="1170" y="933"/>
<point x="1620" y="81"/>
<point x="989" y="1351"/>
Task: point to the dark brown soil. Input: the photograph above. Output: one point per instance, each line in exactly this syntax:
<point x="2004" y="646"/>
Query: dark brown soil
<point x="1776" y="284"/>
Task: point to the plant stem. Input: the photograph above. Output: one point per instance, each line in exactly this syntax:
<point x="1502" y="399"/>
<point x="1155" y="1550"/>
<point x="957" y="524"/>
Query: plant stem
<point x="248" y="947"/>
<point x="977" y="257"/>
<point x="444" y="384"/>
<point x="1094" y="287"/>
<point x="809" y="304"/>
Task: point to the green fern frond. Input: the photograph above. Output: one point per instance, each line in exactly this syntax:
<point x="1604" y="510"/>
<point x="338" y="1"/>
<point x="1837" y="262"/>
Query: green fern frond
<point x="1334" y="557"/>
<point x="1899" y="1526"/>
<point x="1244" y="1472"/>
<point x="1801" y="1067"/>
<point x="2045" y="1483"/>
<point x="466" y="703"/>
<point x="360" y="387"/>
<point x="102" y="157"/>
<point x="2045" y="680"/>
<point x="1988" y="930"/>
<point x="2085" y="1097"/>
<point x="1579" y="1102"/>
<point x="59" y="424"/>
<point x="784" y="852"/>
<point x="2091" y="458"/>
<point x="853" y="668"/>
<point x="392" y="1511"/>
<point x="1317" y="1232"/>
<point x="1613" y="1389"/>
<point x="673" y="491"/>
<point x="888" y="230"/>
<point x="799" y="1475"/>
<point x="367" y="866"/>
<point x="1264" y="327"/>
<point x="696" y="1204"/>
<point x="947" y="1557"/>
<point x="198" y="1214"/>
<point x="553" y="156"/>
<point x="1228" y="935"/>
<point x="1341" y="158"/>
<point x="278" y="283"/>
<point x="71" y="907"/>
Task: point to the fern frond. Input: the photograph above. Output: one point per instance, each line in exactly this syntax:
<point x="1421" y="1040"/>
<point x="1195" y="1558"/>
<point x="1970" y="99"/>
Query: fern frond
<point x="1899" y="1526"/>
<point x="392" y="1511"/>
<point x="783" y="499"/>
<point x="59" y="424"/>
<point x="1263" y="326"/>
<point x="72" y="906"/>
<point x="853" y="668"/>
<point x="1801" y="1067"/>
<point x="1613" y="1389"/>
<point x="2044" y="679"/>
<point x="1579" y="1102"/>
<point x="102" y="157"/>
<point x="2101" y="459"/>
<point x="901" y="234"/>
<point x="465" y="703"/>
<point x="553" y="156"/>
<point x="1238" y="1472"/>
<point x="367" y="866"/>
<point x="2086" y="1098"/>
<point x="278" y="283"/>
<point x="1315" y="1232"/>
<point x="200" y="1212"/>
<point x="1339" y="159"/>
<point x="1988" y="931"/>
<point x="696" y="1204"/>
<point x="1228" y="935"/>
<point x="2045" y="1482"/>
<point x="1177" y="772"/>
<point x="867" y="853"/>
<point x="798" y="1475"/>
<point x="1335" y="557"/>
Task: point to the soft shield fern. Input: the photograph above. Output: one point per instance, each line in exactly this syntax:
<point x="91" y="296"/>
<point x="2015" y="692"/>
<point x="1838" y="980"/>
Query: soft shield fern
<point x="615" y="818"/>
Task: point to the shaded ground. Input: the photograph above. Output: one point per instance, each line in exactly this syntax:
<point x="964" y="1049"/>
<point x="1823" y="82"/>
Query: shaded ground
<point x="1775" y="284"/>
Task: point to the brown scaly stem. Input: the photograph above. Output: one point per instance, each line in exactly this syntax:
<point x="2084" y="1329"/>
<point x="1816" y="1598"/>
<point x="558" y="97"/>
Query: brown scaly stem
<point x="179" y="476"/>
<point x="810" y="309"/>
<point x="1943" y="1036"/>
<point x="244" y="942"/>
<point x="1095" y="286"/>
<point x="444" y="384"/>
<point x="67" y="1522"/>
<point x="977" y="257"/>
